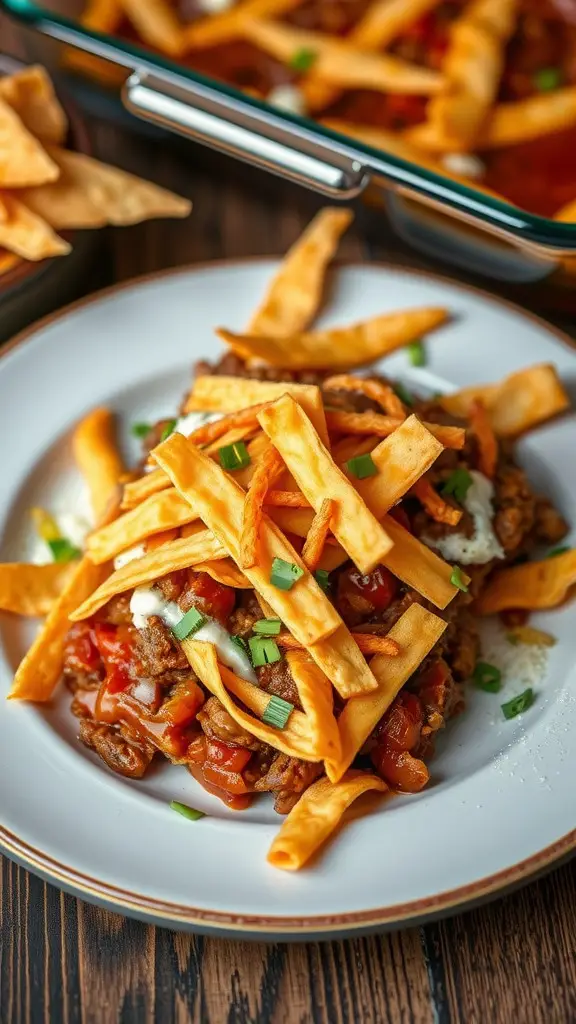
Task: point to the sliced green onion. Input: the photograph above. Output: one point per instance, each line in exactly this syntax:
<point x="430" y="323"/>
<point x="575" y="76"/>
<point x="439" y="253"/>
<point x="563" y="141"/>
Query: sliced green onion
<point x="487" y="677"/>
<point x="241" y="644"/>
<point x="362" y="466"/>
<point x="284" y="574"/>
<point x="303" y="59"/>
<point x="547" y="79"/>
<point x="416" y="353"/>
<point x="559" y="551"/>
<point x="190" y="623"/>
<point x="263" y="651"/>
<point x="267" y="627"/>
<point x="322" y="577"/>
<point x="234" y="456"/>
<point x="62" y="550"/>
<point x="518" y="704"/>
<point x="277" y="712"/>
<point x="140" y="429"/>
<point x="403" y="394"/>
<point x="457" y="485"/>
<point x="457" y="580"/>
<point x="168" y="429"/>
<point x="187" y="812"/>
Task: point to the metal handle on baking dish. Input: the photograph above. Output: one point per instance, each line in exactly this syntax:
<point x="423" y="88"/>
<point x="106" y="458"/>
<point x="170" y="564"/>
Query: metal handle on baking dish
<point x="239" y="133"/>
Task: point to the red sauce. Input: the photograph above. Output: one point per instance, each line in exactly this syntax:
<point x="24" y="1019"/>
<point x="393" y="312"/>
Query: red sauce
<point x="209" y="596"/>
<point x="80" y="651"/>
<point x="378" y="587"/>
<point x="399" y="733"/>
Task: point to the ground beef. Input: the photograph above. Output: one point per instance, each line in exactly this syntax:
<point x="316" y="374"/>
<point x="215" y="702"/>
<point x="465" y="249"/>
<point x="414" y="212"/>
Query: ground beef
<point x="463" y="645"/>
<point x="158" y="651"/>
<point x="116" y="611"/>
<point x="549" y="526"/>
<point x="288" y="777"/>
<point x="219" y="725"/>
<point x="172" y="585"/>
<point x="514" y="505"/>
<point x="232" y="365"/>
<point x="277" y="679"/>
<point x="241" y="622"/>
<point x="123" y="755"/>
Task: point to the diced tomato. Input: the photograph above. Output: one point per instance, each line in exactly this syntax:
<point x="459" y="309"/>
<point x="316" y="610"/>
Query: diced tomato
<point x="235" y="801"/>
<point x="80" y="651"/>
<point x="117" y="649"/>
<point x="182" y="707"/>
<point x="196" y="752"/>
<point x="231" y="782"/>
<point x="399" y="769"/>
<point x="233" y="759"/>
<point x="401" y="516"/>
<point x="401" y="726"/>
<point x="378" y="587"/>
<point x="209" y="597"/>
<point x="398" y="734"/>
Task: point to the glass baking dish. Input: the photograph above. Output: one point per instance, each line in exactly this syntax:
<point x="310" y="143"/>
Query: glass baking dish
<point x="436" y="214"/>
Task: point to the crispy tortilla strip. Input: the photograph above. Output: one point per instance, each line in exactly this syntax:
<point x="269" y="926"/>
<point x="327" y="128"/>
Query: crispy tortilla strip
<point x="163" y="511"/>
<point x="347" y="447"/>
<point x="382" y="22"/>
<point x="98" y="458"/>
<point x="316" y="815"/>
<point x="222" y="28"/>
<point x="338" y="347"/>
<point x="286" y="499"/>
<point x="318" y="477"/>
<point x="434" y="504"/>
<point x="522" y="120"/>
<point x="41" y="668"/>
<point x="304" y="609"/>
<point x="102" y="15"/>
<point x="136" y="491"/>
<point x="472" y="68"/>
<point x="417" y="631"/>
<point x="23" y="160"/>
<point x="224" y="571"/>
<point x="515" y="404"/>
<point x="317" y="534"/>
<point x="268" y="469"/>
<point x="219" y="501"/>
<point x="317" y="698"/>
<point x="157" y="24"/>
<point x="297" y="739"/>
<point x="375" y="389"/>
<point x="231" y="394"/>
<point x="485" y="437"/>
<point x="32" y="589"/>
<point x="31" y="95"/>
<point x="531" y="585"/>
<point x="369" y="643"/>
<point x="374" y="423"/>
<point x="24" y="233"/>
<point x="402" y="458"/>
<point x="8" y="260"/>
<point x="339" y="63"/>
<point x="183" y="553"/>
<point x="295" y="293"/>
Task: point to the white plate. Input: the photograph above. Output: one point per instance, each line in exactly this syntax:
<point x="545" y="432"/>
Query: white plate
<point x="501" y="804"/>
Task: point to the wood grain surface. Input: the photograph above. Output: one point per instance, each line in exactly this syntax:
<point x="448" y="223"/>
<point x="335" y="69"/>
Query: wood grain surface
<point x="65" y="962"/>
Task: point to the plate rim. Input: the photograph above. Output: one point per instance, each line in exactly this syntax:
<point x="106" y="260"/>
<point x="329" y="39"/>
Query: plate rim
<point x="214" y="921"/>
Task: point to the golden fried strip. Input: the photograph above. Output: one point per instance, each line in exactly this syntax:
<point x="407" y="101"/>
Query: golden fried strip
<point x="369" y="643"/>
<point x="222" y="28"/>
<point x="24" y="159"/>
<point x="27" y="235"/>
<point x="485" y="438"/>
<point x="384" y="426"/>
<point x="434" y="504"/>
<point x="402" y="458"/>
<point x="224" y="571"/>
<point x="32" y="589"/>
<point x="516" y="404"/>
<point x="268" y="469"/>
<point x="316" y="815"/>
<point x="97" y="457"/>
<point x="316" y="697"/>
<point x="374" y="389"/>
<point x="536" y="116"/>
<point x="314" y="543"/>
<point x="31" y="95"/>
<point x="163" y="511"/>
<point x="531" y="585"/>
<point x="157" y="24"/>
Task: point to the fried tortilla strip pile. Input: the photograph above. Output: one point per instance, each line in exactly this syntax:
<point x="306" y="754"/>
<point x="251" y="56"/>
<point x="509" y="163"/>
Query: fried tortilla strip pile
<point x="31" y="95"/>
<point x="222" y="28"/>
<point x="531" y="585"/>
<point x="163" y="511"/>
<point x="98" y="458"/>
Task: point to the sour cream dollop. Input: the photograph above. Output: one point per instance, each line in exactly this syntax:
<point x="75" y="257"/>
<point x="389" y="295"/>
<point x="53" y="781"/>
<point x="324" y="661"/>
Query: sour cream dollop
<point x="483" y="545"/>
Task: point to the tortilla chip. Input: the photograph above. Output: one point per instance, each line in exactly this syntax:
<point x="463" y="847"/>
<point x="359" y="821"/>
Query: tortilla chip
<point x="417" y="631"/>
<point x="98" y="458"/>
<point x="485" y="438"/>
<point x="517" y="403"/>
<point x="23" y="160"/>
<point x="531" y="585"/>
<point x="183" y="553"/>
<point x="295" y="293"/>
<point x="339" y="63"/>
<point x="317" y="534"/>
<point x="27" y="235"/>
<point x="318" y="477"/>
<point x="267" y="471"/>
<point x="374" y="423"/>
<point x="338" y="347"/>
<point x="41" y="668"/>
<point x="156" y="22"/>
<point x="317" y="699"/>
<point x="32" y="589"/>
<point x="286" y="499"/>
<point x="231" y="394"/>
<point x="163" y="511"/>
<point x="31" y="95"/>
<point x="402" y="459"/>
<point x="316" y="815"/>
<point x="215" y="29"/>
<point x="297" y="739"/>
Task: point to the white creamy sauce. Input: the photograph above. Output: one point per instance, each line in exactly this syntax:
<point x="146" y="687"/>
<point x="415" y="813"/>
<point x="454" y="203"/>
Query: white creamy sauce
<point x="288" y="98"/>
<point x="192" y="420"/>
<point x="215" y="6"/>
<point x="148" y="601"/>
<point x="129" y="555"/>
<point x="74" y="527"/>
<point x="466" y="164"/>
<point x="483" y="545"/>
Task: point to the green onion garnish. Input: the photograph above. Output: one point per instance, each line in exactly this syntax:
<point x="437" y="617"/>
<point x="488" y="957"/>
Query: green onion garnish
<point x="140" y="429"/>
<point x="62" y="550"/>
<point x="303" y="59"/>
<point x="185" y="811"/>
<point x="189" y="623"/>
<point x="403" y="394"/>
<point x="168" y="429"/>
<point x="547" y="79"/>
<point x="284" y="574"/>
<point x="457" y="485"/>
<point x="322" y="577"/>
<point x="487" y="677"/>
<point x="234" y="456"/>
<point x="277" y="712"/>
<point x="559" y="551"/>
<point x="263" y="651"/>
<point x="518" y="704"/>
<point x="240" y="643"/>
<point x="457" y="580"/>
<point x="416" y="353"/>
<point x="267" y="627"/>
<point x="362" y="466"/>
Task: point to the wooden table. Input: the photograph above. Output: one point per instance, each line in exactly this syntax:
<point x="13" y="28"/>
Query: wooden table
<point x="63" y="961"/>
